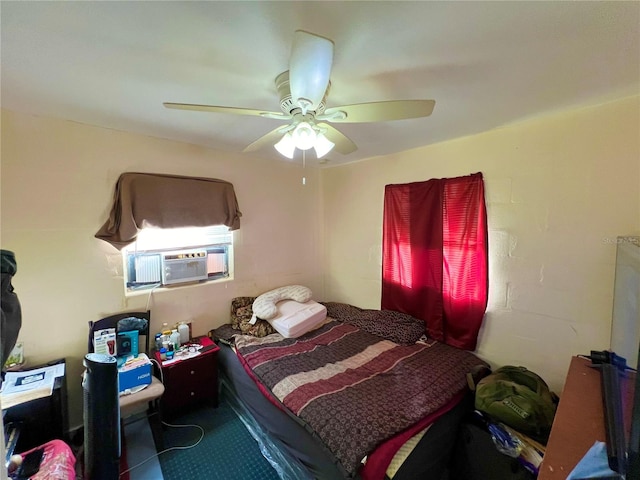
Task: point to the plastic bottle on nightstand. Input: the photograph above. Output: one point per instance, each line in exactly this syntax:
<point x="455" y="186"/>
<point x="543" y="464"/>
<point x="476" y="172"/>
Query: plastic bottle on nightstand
<point x="183" y="330"/>
<point x="175" y="339"/>
<point x="164" y="333"/>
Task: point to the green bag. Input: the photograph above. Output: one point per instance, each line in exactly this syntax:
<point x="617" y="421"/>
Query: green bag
<point x="518" y="398"/>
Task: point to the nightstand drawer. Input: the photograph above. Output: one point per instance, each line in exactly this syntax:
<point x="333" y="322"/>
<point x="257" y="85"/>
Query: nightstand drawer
<point x="191" y="373"/>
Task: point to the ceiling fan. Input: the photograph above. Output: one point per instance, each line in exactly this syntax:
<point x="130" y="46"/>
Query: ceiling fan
<point x="303" y="91"/>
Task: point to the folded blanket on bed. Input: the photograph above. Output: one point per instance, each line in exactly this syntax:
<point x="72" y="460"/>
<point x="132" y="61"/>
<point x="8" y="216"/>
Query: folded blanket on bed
<point x="355" y="389"/>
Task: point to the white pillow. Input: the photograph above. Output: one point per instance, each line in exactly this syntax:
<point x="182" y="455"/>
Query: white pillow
<point x="265" y="305"/>
<point x="295" y="318"/>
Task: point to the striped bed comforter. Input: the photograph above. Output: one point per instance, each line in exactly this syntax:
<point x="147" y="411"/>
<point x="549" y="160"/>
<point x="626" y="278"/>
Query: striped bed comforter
<point x="354" y="389"/>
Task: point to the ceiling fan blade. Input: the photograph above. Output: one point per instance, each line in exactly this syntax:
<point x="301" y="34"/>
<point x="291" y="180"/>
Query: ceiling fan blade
<point x="218" y="109"/>
<point x="309" y="69"/>
<point x="378" y="111"/>
<point x="270" y="139"/>
<point x="344" y="145"/>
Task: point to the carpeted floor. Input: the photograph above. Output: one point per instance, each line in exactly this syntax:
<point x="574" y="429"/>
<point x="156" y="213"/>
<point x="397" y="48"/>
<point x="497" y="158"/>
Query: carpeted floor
<point x="227" y="450"/>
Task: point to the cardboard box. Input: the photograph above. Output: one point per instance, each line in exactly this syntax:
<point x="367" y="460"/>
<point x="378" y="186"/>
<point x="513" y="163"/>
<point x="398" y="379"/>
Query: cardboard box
<point x="135" y="372"/>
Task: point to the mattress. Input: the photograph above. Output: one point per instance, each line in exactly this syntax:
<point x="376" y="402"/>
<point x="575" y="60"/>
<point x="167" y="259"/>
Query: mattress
<point x="295" y="318"/>
<point x="355" y="389"/>
<point x="428" y="459"/>
<point x="283" y="429"/>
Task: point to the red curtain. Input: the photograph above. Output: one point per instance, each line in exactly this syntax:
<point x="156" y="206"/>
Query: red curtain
<point x="435" y="257"/>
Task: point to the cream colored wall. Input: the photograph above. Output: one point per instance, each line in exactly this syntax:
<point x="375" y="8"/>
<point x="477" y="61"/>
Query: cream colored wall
<point x="558" y="191"/>
<point x="57" y="180"/>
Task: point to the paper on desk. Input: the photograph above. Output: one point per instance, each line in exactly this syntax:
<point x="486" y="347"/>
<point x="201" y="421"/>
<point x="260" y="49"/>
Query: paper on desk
<point x="594" y="464"/>
<point x="21" y="387"/>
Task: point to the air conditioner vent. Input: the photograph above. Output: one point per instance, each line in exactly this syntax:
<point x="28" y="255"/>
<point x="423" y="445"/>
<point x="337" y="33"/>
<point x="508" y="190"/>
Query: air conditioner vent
<point x="184" y="266"/>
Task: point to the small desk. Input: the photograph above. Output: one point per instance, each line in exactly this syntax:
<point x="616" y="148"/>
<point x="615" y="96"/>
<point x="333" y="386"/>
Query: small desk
<point x="579" y="420"/>
<point x="42" y="419"/>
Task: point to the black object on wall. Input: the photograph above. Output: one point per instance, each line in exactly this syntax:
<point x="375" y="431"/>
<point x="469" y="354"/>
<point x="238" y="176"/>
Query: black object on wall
<point x="11" y="313"/>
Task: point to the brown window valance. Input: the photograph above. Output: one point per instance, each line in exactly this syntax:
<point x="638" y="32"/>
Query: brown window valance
<point x="167" y="201"/>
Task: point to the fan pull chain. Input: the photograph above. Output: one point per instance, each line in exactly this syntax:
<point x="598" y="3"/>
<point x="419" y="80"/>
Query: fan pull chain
<point x="304" y="160"/>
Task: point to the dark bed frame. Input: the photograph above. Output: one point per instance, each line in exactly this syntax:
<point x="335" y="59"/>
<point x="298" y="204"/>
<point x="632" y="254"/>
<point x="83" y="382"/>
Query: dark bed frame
<point x="297" y="444"/>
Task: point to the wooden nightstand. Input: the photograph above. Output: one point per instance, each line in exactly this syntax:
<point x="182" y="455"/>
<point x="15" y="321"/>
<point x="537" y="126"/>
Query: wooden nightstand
<point x="191" y="381"/>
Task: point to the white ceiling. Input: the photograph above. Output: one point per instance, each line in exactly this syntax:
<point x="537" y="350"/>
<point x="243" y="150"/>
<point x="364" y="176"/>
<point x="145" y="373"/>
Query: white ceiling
<point x="487" y="64"/>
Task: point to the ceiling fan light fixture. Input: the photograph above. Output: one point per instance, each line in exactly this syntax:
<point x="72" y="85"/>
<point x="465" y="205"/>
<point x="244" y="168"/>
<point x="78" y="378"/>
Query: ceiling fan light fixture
<point x="303" y="90"/>
<point x="286" y="146"/>
<point x="323" y="145"/>
<point x="304" y="136"/>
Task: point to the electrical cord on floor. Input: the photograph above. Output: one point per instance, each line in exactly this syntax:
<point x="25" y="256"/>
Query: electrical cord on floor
<point x="187" y="447"/>
<point x="153" y="360"/>
<point x="179" y="447"/>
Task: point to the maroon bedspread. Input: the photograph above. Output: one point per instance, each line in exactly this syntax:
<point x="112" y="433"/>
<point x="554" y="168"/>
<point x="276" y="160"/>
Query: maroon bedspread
<point x="355" y="389"/>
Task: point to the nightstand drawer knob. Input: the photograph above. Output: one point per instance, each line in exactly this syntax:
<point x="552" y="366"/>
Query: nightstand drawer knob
<point x="192" y="394"/>
<point x="192" y="372"/>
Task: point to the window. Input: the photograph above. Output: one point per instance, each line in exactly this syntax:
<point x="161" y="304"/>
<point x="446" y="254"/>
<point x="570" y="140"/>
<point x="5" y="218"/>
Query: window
<point x="178" y="255"/>
<point x="435" y="256"/>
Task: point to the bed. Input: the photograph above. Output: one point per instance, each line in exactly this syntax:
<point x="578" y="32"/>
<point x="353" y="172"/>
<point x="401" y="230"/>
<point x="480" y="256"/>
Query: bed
<point x="364" y="395"/>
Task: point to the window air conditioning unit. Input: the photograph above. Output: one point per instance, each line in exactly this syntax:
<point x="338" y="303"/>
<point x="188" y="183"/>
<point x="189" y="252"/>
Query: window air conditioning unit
<point x="184" y="266"/>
